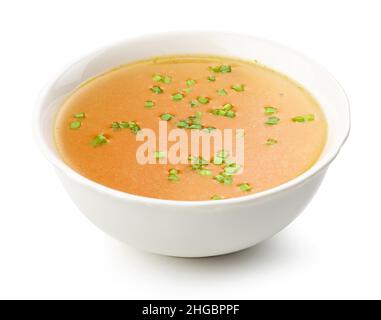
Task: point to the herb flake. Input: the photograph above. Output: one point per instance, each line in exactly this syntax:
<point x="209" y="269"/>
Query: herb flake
<point x="99" y="140"/>
<point x="304" y="118"/>
<point x="271" y="121"/>
<point x="238" y="87"/>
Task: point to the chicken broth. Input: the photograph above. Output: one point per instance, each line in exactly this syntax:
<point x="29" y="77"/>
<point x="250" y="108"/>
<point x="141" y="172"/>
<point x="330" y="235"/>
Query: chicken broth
<point x="97" y="127"/>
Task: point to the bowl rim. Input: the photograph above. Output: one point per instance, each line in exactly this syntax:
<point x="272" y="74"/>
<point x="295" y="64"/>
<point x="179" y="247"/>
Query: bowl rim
<point x="58" y="162"/>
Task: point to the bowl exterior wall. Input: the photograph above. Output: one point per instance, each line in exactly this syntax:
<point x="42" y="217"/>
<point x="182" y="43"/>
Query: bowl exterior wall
<point x="191" y="231"/>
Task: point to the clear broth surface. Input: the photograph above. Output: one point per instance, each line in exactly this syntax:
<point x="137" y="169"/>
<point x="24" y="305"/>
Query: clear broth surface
<point x="274" y="153"/>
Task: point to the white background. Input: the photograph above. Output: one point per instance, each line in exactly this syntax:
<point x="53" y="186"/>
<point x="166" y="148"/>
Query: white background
<point x="49" y="250"/>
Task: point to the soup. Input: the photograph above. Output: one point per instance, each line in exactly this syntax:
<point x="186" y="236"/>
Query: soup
<point x="280" y="125"/>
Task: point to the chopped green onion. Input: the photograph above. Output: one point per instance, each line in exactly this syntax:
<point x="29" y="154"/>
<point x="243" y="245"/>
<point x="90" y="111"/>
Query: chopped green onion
<point x="270" y="110"/>
<point x="149" y="104"/>
<point x="271" y="142"/>
<point x="157" y="77"/>
<point x="238" y="87"/>
<point x="272" y="121"/>
<point x="192" y="122"/>
<point x="225" y="111"/>
<point x="231" y="169"/>
<point x="167" y="80"/>
<point x="183" y="124"/>
<point x="177" y="96"/>
<point x="212" y="78"/>
<point x="205" y="172"/>
<point x="197" y="163"/>
<point x="222" y="92"/>
<point x="198" y="114"/>
<point x="203" y="100"/>
<point x="173" y="175"/>
<point x="216" y="197"/>
<point x="225" y="69"/>
<point x="195" y="126"/>
<point x="166" y="116"/>
<point x="305" y="118"/>
<point x="99" y="140"/>
<point x="221" y="69"/>
<point x="120" y="125"/>
<point x="80" y="115"/>
<point x="157" y="89"/>
<point x="193" y="103"/>
<point x="173" y="171"/>
<point x="221" y="178"/>
<point x="163" y="79"/>
<point x="220" y="157"/>
<point x="187" y="90"/>
<point x="132" y="125"/>
<point x="160" y="154"/>
<point x="190" y="82"/>
<point x="75" y="125"/>
<point x="210" y="129"/>
<point x="245" y="187"/>
<point x="222" y="154"/>
<point x="218" y="161"/>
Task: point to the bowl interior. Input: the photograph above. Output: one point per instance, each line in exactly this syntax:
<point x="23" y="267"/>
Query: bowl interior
<point x="298" y="67"/>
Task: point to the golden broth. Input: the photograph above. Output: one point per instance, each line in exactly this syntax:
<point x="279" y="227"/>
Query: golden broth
<point x="285" y="129"/>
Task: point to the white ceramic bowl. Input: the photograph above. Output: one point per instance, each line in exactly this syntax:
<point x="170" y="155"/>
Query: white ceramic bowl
<point x="198" y="228"/>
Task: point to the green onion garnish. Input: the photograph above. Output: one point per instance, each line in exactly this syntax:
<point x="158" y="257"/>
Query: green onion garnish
<point x="80" y="115"/>
<point x="197" y="163"/>
<point x="192" y="122"/>
<point x="203" y="100"/>
<point x="163" y="79"/>
<point x="231" y="169"/>
<point x="120" y="125"/>
<point x="157" y="89"/>
<point x="190" y="82"/>
<point x="193" y="103"/>
<point x="212" y="78"/>
<point x="173" y="175"/>
<point x="216" y="197"/>
<point x="157" y="77"/>
<point x="209" y="129"/>
<point x="75" y="125"/>
<point x="99" y="140"/>
<point x="238" y="87"/>
<point x="272" y="121"/>
<point x="205" y="172"/>
<point x="222" y="92"/>
<point x="149" y="104"/>
<point x="177" y="96"/>
<point x="271" y="142"/>
<point x="132" y="125"/>
<point x="221" y="178"/>
<point x="225" y="111"/>
<point x="166" y="116"/>
<point x="245" y="187"/>
<point x="167" y="80"/>
<point x="305" y="118"/>
<point x="270" y="110"/>
<point x="159" y="154"/>
<point x="221" y="69"/>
